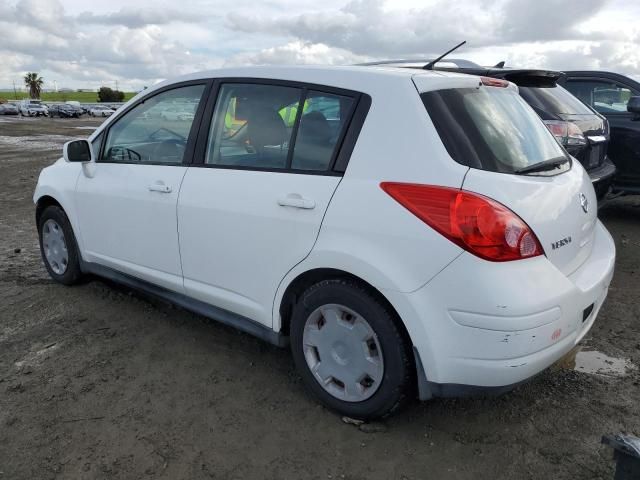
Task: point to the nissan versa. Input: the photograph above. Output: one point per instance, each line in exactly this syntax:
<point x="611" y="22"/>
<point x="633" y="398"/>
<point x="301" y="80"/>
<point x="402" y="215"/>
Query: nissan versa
<point x="406" y="232"/>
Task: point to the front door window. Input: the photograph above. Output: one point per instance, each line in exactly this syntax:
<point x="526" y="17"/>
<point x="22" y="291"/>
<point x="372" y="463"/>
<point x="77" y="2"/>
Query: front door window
<point x="155" y="131"/>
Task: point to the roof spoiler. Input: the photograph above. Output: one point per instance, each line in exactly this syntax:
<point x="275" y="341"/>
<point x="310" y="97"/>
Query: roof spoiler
<point x="529" y="78"/>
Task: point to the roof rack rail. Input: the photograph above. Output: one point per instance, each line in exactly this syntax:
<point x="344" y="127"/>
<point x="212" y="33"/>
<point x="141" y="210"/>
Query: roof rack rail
<point x="458" y="62"/>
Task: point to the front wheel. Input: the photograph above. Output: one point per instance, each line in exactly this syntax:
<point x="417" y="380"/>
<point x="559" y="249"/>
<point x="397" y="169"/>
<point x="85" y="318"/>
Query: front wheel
<point x="349" y="350"/>
<point x="58" y="246"/>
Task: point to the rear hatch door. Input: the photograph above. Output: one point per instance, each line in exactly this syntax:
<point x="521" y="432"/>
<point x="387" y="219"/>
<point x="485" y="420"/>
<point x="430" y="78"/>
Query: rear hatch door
<point x="514" y="159"/>
<point x="553" y="207"/>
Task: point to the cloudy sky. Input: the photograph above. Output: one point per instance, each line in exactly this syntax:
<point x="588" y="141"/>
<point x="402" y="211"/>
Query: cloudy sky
<point x="87" y="43"/>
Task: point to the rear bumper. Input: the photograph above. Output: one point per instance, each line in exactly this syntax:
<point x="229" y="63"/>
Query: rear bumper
<point x="602" y="173"/>
<point x="602" y="177"/>
<point x="482" y="325"/>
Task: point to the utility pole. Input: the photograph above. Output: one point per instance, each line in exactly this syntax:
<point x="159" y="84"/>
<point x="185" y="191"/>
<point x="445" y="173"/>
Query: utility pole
<point x="15" y="93"/>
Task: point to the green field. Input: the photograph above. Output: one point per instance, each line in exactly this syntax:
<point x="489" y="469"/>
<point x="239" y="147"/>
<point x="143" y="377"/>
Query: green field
<point x="82" y="97"/>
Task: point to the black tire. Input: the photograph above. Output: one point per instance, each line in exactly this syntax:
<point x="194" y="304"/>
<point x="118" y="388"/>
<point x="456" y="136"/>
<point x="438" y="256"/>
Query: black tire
<point x="397" y="381"/>
<point x="72" y="274"/>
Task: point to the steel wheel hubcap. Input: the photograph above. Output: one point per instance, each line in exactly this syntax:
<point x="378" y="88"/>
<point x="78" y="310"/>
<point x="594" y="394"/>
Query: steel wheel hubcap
<point x="343" y="353"/>
<point x="55" y="246"/>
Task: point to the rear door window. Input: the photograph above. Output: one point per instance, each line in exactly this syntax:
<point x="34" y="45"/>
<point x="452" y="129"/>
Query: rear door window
<point x="248" y="128"/>
<point x="321" y="123"/>
<point x="260" y="126"/>
<point x="491" y="128"/>
<point x="555" y="100"/>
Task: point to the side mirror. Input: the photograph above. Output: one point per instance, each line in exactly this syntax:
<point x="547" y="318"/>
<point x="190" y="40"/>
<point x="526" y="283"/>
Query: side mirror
<point x="633" y="105"/>
<point x="77" y="151"/>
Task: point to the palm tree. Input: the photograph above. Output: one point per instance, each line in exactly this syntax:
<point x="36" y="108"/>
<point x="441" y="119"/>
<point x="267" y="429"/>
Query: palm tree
<point x="34" y="83"/>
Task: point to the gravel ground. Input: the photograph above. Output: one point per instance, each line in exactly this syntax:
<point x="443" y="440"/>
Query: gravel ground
<point x="100" y="382"/>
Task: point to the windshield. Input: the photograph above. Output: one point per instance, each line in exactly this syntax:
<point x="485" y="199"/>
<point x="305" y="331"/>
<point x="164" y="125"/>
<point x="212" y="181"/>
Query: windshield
<point x="554" y="100"/>
<point x="491" y="128"/>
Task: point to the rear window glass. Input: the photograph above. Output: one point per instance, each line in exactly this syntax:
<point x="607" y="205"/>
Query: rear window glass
<point x="490" y="128"/>
<point x="554" y="100"/>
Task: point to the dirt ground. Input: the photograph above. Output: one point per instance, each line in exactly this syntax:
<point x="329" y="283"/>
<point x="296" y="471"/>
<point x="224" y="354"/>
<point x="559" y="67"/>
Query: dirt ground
<point x="100" y="382"/>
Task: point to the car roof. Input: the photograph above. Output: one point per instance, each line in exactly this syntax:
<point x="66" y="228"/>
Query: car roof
<point x="355" y="77"/>
<point x="604" y="74"/>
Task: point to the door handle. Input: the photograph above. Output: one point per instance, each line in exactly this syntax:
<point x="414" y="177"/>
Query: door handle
<point x="159" y="187"/>
<point x="296" y="200"/>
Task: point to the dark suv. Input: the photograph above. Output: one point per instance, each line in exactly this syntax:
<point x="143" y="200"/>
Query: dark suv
<point x="582" y="131"/>
<point x="617" y="98"/>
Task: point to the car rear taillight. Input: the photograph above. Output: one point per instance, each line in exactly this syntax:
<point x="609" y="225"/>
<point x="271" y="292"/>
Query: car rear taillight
<point x="566" y="133"/>
<point x="476" y="223"/>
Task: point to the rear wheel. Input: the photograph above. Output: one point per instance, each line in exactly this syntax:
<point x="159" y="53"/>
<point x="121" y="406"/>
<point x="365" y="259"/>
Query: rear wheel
<point x="349" y="350"/>
<point x="58" y="246"/>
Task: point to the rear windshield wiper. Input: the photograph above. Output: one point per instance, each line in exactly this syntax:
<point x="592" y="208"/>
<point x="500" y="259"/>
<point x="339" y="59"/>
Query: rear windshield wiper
<point x="543" y="166"/>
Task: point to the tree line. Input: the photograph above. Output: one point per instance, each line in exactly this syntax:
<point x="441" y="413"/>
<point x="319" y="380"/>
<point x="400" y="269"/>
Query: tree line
<point x="34" y="83"/>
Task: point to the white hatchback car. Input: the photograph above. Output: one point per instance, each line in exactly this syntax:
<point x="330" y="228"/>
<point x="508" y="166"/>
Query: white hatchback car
<point x="403" y="231"/>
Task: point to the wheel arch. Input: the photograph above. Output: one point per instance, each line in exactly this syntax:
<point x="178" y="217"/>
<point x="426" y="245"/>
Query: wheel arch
<point x="309" y="277"/>
<point x="42" y="203"/>
<point x="45" y="200"/>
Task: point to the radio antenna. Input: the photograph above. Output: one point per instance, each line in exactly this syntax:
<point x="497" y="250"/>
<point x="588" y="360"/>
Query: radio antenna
<point x="430" y="65"/>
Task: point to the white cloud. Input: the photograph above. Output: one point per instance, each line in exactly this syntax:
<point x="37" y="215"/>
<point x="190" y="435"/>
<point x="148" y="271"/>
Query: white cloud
<point x="296" y="53"/>
<point x="133" y="18"/>
<point x="82" y="43"/>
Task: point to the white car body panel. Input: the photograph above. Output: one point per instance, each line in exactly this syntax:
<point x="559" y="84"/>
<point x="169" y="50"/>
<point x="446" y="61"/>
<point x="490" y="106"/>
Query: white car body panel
<point x="238" y="243"/>
<point x="58" y="181"/>
<point x="221" y="237"/>
<point x="127" y="226"/>
<point x="488" y="353"/>
<point x="550" y="206"/>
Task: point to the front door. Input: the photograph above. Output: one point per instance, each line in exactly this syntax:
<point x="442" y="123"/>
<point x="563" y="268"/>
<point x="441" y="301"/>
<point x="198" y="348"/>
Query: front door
<point x="127" y="199"/>
<point x="253" y="207"/>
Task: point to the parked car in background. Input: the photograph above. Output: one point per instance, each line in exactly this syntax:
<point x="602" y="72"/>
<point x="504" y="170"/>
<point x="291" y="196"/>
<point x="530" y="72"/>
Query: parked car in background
<point x="33" y="108"/>
<point x="63" y="111"/>
<point x="429" y="234"/>
<point x="75" y="106"/>
<point x="176" y="113"/>
<point x="617" y="97"/>
<point x="9" y="109"/>
<point x="583" y="132"/>
<point x="100" y="111"/>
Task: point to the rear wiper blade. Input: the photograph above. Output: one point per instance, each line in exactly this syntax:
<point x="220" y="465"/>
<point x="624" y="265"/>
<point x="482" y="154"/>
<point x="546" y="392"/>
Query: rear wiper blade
<point x="543" y="166"/>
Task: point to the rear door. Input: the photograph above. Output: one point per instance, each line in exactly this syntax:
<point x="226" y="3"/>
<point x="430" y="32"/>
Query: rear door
<point x="251" y="206"/>
<point x="515" y="160"/>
